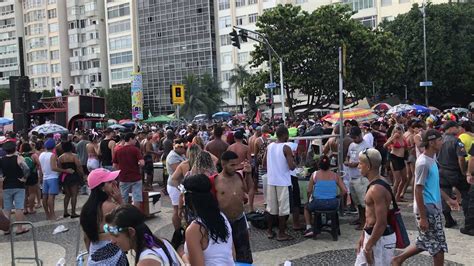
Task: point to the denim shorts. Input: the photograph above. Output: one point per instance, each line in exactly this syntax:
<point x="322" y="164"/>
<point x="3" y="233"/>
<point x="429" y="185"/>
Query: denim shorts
<point x="51" y="186"/>
<point x="14" y="198"/>
<point x="135" y="188"/>
<point x="323" y="205"/>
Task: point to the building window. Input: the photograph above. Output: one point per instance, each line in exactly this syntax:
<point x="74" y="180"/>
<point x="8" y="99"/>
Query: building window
<point x="226" y="75"/>
<point x="27" y="4"/>
<point x="54" y="55"/>
<point x="36" y="56"/>
<point x="369" y="22"/>
<point x="239" y="3"/>
<point x="386" y="2"/>
<point x="224" y="4"/>
<point x="120" y="43"/>
<point x="240" y="20"/>
<point x="225" y="40"/>
<point x="253" y="18"/>
<point x="359" y="4"/>
<point x="118" y="11"/>
<point x="301" y="1"/>
<point x="243" y="57"/>
<point x="55" y="68"/>
<point x="35" y="15"/>
<point x="38" y="69"/>
<point x="35" y="42"/>
<point x="53" y="27"/>
<point x="54" y="41"/>
<point x="253" y="2"/>
<point x="52" y="13"/>
<point x="7" y="49"/>
<point x="121" y="73"/>
<point x="35" y="29"/>
<point x="50" y="2"/>
<point x="121" y="58"/>
<point x="120" y="26"/>
<point x="91" y="6"/>
<point x="225" y="22"/>
<point x="226" y="58"/>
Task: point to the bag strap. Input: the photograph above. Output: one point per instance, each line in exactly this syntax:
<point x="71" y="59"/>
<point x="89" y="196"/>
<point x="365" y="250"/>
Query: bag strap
<point x="387" y="187"/>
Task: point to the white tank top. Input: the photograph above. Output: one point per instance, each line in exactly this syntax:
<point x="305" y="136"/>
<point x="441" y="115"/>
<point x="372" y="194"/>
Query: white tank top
<point x="159" y="254"/>
<point x="278" y="172"/>
<point x="218" y="254"/>
<point x="45" y="161"/>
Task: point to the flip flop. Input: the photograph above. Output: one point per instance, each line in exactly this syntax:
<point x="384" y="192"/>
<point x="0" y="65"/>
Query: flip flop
<point x="272" y="236"/>
<point x="287" y="238"/>
<point x="22" y="232"/>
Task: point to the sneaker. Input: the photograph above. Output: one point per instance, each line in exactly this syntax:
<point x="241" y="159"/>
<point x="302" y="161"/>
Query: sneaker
<point x="60" y="229"/>
<point x="308" y="232"/>
<point x="466" y="231"/>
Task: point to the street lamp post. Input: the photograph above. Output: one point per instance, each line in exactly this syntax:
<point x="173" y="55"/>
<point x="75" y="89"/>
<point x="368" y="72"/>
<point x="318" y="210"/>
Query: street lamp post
<point x="424" y="51"/>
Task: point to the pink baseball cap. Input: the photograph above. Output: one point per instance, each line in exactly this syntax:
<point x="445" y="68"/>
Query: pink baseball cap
<point x="99" y="176"/>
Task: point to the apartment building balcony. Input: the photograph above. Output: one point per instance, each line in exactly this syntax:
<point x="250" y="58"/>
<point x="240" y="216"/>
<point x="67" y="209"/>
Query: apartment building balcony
<point x="92" y="28"/>
<point x="75" y="31"/>
<point x="77" y="72"/>
<point x="74" y="45"/>
<point x="91" y="56"/>
<point x="92" y="42"/>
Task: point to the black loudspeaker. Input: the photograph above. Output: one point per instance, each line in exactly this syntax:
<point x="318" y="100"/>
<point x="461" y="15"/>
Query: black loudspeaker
<point x="34" y="98"/>
<point x="20" y="94"/>
<point x="21" y="122"/>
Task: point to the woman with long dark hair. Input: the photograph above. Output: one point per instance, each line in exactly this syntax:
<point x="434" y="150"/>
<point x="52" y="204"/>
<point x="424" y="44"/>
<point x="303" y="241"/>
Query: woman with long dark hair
<point x="70" y="182"/>
<point x="104" y="198"/>
<point x="31" y="183"/>
<point x="126" y="225"/>
<point x="209" y="235"/>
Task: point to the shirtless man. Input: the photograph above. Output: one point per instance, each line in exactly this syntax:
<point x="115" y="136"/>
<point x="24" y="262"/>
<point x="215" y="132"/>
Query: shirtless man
<point x="252" y="147"/>
<point x="243" y="152"/>
<point x="231" y="189"/>
<point x="148" y="155"/>
<point x="217" y="146"/>
<point x="377" y="242"/>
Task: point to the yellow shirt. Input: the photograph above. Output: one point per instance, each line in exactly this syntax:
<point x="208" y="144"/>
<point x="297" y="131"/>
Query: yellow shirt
<point x="467" y="140"/>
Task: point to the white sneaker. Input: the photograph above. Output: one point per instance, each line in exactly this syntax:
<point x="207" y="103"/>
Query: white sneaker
<point x="60" y="229"/>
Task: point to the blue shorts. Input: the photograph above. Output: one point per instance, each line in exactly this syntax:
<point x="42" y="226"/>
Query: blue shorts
<point x="323" y="205"/>
<point x="51" y="186"/>
<point x="135" y="188"/>
<point x="13" y="198"/>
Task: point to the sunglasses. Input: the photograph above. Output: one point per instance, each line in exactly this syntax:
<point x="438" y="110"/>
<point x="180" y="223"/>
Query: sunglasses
<point x="114" y="230"/>
<point x="366" y="153"/>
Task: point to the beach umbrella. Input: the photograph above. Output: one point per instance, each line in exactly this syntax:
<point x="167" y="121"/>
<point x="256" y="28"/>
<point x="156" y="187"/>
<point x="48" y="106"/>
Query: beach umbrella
<point x="420" y="109"/>
<point x="381" y="107"/>
<point x="434" y="109"/>
<point x="158" y="119"/>
<point x="117" y="126"/>
<point x="112" y="121"/>
<point x="458" y="110"/>
<point x="5" y="121"/>
<point x="358" y="114"/>
<point x="49" y="128"/>
<point x="401" y="108"/>
<point x="221" y="115"/>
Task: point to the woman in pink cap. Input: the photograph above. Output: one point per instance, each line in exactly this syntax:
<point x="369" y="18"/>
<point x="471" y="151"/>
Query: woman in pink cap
<point x="104" y="198"/>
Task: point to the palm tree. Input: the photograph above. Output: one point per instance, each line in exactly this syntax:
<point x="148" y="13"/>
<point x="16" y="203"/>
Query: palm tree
<point x="195" y="97"/>
<point x="239" y="77"/>
<point x="203" y="95"/>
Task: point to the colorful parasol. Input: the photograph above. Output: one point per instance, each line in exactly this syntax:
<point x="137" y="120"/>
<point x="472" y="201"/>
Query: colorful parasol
<point x="381" y="107"/>
<point x="49" y="128"/>
<point x="400" y="108"/>
<point x="358" y="114"/>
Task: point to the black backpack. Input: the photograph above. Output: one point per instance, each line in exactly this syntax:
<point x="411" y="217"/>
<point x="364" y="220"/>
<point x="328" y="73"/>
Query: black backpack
<point x="258" y="219"/>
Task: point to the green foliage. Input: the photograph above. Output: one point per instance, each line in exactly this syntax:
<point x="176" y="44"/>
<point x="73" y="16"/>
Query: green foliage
<point x="4" y="95"/>
<point x="203" y="95"/>
<point x="308" y="44"/>
<point x="47" y="93"/>
<point x="119" y="103"/>
<point x="450" y="52"/>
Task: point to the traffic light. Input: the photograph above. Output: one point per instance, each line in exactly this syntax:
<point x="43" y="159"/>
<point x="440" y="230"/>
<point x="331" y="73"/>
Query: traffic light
<point x="177" y="94"/>
<point x="243" y="35"/>
<point x="269" y="100"/>
<point x="234" y="38"/>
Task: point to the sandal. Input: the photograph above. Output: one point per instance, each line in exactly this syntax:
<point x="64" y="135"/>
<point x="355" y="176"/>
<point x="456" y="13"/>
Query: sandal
<point x="271" y="236"/>
<point x="286" y="238"/>
<point x="22" y="232"/>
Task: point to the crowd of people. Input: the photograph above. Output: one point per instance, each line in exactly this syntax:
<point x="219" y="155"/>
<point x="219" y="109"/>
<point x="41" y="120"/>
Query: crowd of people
<point x="212" y="174"/>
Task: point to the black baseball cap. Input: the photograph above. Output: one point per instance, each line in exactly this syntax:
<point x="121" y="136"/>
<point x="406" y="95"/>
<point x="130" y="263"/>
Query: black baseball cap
<point x="355" y="131"/>
<point x="449" y="125"/>
<point x="430" y="134"/>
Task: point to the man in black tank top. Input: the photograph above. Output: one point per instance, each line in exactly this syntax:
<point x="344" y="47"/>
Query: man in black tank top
<point x="106" y="149"/>
<point x="14" y="173"/>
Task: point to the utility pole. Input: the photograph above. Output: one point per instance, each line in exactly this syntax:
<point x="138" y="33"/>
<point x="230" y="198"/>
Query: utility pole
<point x="271" y="81"/>
<point x="424" y="51"/>
<point x="340" y="158"/>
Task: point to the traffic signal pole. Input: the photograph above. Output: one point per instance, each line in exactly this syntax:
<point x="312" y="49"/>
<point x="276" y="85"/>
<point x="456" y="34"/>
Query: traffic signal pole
<point x="264" y="41"/>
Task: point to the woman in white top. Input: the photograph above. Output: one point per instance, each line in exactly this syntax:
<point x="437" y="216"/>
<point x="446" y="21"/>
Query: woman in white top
<point x="126" y="225"/>
<point x="209" y="236"/>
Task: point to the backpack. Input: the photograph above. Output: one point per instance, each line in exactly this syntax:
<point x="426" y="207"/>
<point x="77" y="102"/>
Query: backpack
<point x="31" y="164"/>
<point x="258" y="219"/>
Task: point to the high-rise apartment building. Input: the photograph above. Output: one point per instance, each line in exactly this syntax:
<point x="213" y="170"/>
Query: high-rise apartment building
<point x="46" y="43"/>
<point x="122" y="44"/>
<point x="177" y="39"/>
<point x="11" y="27"/>
<point x="244" y="13"/>
<point x="87" y="44"/>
